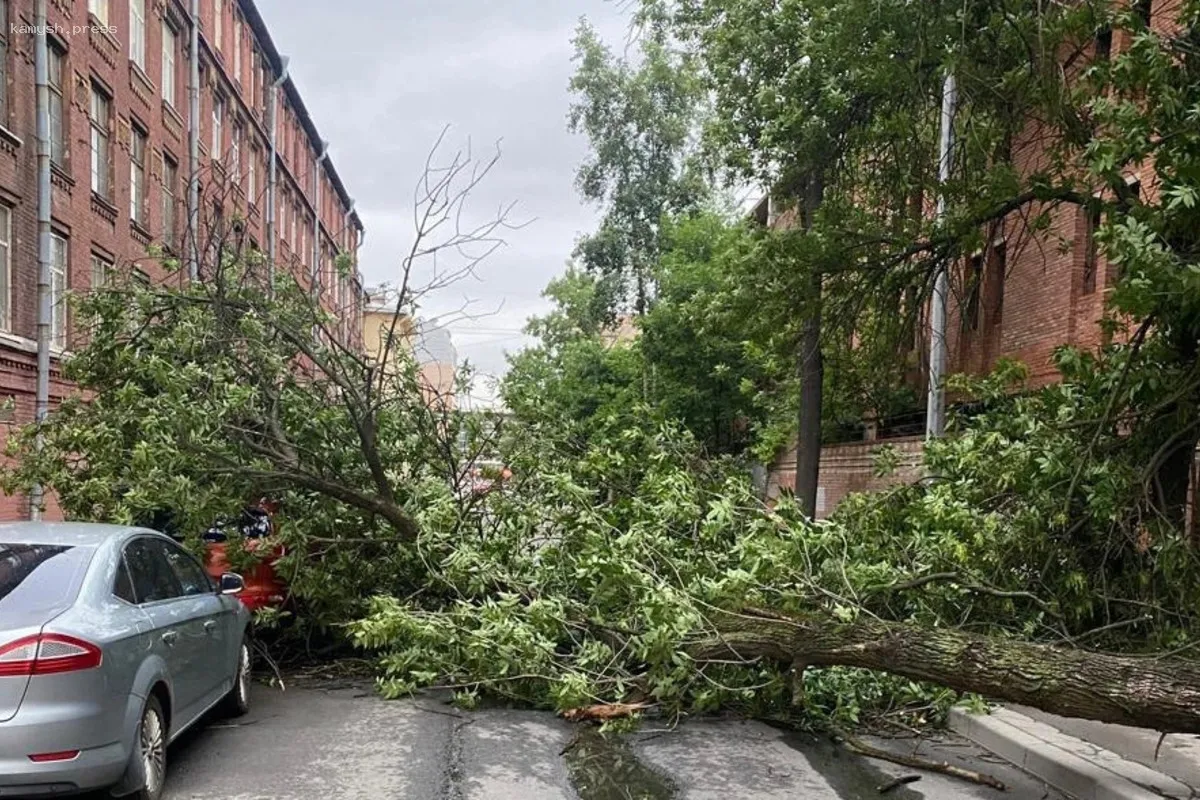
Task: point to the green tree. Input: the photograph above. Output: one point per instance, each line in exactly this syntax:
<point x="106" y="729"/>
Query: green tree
<point x="640" y="117"/>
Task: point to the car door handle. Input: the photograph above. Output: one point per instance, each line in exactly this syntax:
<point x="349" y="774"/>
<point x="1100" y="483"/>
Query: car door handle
<point x="210" y="626"/>
<point x="169" y="637"/>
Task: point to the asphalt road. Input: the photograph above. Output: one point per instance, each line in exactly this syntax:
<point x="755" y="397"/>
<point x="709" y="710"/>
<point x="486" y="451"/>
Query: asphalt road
<point x="313" y="743"/>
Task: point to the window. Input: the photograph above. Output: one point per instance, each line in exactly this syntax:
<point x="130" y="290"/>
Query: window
<point x="101" y="108"/>
<point x="218" y="23"/>
<point x="123" y="586"/>
<point x="1091" y="252"/>
<point x="151" y="572"/>
<point x="974" y="286"/>
<point x="235" y="153"/>
<point x="58" y="138"/>
<point x="99" y="10"/>
<point x="101" y="271"/>
<point x="58" y="291"/>
<point x="1000" y="272"/>
<point x="4" y="62"/>
<point x="267" y="84"/>
<point x="218" y="134"/>
<point x="252" y="174"/>
<point x="39" y="578"/>
<point x="170" y="43"/>
<point x="170" y="179"/>
<point x="5" y="268"/>
<point x="1144" y="9"/>
<point x="193" y="580"/>
<point x="237" y="48"/>
<point x="1104" y="43"/>
<point x="137" y="32"/>
<point x="137" y="177"/>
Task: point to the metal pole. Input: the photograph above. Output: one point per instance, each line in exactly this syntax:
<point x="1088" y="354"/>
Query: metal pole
<point x="315" y="278"/>
<point x="193" y="199"/>
<point x="272" y="172"/>
<point x="41" y="59"/>
<point x="935" y="412"/>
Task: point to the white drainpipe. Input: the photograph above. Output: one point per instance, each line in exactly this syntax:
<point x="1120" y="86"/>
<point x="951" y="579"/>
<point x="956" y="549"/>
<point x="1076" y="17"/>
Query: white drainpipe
<point x="272" y="170"/>
<point x="41" y="60"/>
<point x="193" y="196"/>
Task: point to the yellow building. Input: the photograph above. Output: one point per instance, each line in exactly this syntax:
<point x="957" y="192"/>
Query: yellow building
<point x="427" y="343"/>
<point x="379" y="320"/>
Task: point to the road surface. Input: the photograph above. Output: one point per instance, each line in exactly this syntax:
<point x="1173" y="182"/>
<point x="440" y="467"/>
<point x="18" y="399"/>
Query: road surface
<point x="314" y="743"/>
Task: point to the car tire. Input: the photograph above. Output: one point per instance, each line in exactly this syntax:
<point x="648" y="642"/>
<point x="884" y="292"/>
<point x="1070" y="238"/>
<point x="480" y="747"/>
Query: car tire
<point x="151" y="744"/>
<point x="237" y="702"/>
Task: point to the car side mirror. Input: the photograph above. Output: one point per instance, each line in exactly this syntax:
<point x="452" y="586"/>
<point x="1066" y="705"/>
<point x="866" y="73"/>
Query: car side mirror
<point x="232" y="583"/>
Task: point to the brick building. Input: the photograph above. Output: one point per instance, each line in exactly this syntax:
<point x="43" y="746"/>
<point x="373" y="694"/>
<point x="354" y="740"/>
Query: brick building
<point x="120" y="134"/>
<point x="1026" y="293"/>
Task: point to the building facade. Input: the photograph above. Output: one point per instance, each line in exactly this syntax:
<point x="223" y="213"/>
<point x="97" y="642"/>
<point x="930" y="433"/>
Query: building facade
<point x="1028" y="291"/>
<point x="119" y="105"/>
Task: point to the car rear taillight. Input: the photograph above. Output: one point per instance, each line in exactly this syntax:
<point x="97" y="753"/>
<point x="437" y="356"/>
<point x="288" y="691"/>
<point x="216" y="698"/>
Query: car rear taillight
<point x="47" y="654"/>
<point x="61" y="755"/>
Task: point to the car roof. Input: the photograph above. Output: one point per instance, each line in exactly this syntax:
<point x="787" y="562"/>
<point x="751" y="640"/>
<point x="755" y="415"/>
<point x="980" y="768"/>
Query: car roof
<point x="77" y="534"/>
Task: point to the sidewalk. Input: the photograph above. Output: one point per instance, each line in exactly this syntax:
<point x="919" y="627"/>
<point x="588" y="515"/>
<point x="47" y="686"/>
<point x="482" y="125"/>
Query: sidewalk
<point x="1085" y="759"/>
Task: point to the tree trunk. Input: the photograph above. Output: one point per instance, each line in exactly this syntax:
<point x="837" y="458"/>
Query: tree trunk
<point x="811" y="370"/>
<point x="1163" y="694"/>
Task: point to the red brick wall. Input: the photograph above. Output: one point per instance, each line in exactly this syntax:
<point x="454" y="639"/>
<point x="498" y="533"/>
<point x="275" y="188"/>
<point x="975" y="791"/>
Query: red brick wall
<point x="847" y="468"/>
<point x="106" y="228"/>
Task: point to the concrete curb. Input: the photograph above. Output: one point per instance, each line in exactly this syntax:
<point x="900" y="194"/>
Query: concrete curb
<point x="1069" y="764"/>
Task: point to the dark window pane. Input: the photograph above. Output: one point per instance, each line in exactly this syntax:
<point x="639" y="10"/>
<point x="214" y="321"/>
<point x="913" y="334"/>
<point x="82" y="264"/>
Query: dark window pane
<point x="123" y="588"/>
<point x="153" y="578"/>
<point x="192" y="578"/>
<point x="40" y="577"/>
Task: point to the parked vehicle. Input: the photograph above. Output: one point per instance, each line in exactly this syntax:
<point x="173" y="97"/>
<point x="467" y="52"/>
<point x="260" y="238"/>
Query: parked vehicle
<point x="256" y="528"/>
<point x="113" y="641"/>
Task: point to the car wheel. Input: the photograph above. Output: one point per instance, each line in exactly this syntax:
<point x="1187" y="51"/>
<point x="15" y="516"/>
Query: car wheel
<point x="237" y="702"/>
<point x="152" y="750"/>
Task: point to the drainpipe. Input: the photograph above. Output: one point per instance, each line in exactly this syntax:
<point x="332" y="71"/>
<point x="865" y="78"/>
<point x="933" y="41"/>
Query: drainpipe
<point x="272" y="171"/>
<point x="41" y="60"/>
<point x="935" y="410"/>
<point x="315" y="277"/>
<point x="193" y="198"/>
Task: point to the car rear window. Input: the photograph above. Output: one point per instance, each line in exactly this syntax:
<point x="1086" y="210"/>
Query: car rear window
<point x="39" y="577"/>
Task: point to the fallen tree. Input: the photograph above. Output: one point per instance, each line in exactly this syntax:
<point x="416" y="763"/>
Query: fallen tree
<point x="1163" y="694"/>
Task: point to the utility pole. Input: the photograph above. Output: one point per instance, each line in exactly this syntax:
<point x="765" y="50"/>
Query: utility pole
<point x="935" y="411"/>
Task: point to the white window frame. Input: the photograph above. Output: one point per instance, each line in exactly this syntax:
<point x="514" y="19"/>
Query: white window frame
<point x="218" y="24"/>
<point x="170" y="44"/>
<point x="99" y="10"/>
<point x="59" y="259"/>
<point x="6" y="268"/>
<point x="218" y="130"/>
<point x="138" y="207"/>
<point x="237" y="47"/>
<point x="137" y="33"/>
<point x="235" y="153"/>
<point x="170" y="181"/>
<point x="252" y="174"/>
<point x="58" y="139"/>
<point x="101" y="271"/>
<point x="101" y="144"/>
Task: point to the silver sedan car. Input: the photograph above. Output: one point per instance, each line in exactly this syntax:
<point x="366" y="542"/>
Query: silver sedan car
<point x="113" y="640"/>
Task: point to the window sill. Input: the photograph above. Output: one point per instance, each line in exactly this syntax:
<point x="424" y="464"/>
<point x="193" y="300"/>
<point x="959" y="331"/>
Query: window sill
<point x="140" y="232"/>
<point x="9" y="141"/>
<point x="104" y="208"/>
<point x="16" y="342"/>
<point x="61" y="177"/>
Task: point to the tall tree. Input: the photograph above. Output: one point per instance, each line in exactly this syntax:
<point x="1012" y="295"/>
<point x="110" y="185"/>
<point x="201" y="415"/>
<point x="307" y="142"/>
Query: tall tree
<point x="640" y="117"/>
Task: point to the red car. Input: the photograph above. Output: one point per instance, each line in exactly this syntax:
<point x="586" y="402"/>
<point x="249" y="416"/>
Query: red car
<point x="263" y="589"/>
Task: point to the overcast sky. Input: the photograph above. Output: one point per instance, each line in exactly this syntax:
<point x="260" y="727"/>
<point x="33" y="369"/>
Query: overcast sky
<point x="381" y="79"/>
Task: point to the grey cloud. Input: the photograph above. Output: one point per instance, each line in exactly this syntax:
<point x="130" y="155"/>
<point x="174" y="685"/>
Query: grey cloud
<point x="383" y="77"/>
